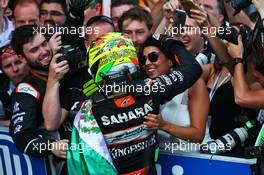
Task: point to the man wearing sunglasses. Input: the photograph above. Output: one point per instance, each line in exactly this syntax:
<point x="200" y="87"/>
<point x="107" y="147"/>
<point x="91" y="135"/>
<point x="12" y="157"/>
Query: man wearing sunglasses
<point x="53" y="12"/>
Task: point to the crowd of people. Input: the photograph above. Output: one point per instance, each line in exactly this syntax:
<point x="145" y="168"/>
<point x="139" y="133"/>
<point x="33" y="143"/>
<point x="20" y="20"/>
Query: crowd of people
<point x="200" y="65"/>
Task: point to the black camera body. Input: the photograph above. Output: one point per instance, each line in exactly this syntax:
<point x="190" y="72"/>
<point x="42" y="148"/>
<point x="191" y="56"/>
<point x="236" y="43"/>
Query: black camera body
<point x="231" y="34"/>
<point x="75" y="56"/>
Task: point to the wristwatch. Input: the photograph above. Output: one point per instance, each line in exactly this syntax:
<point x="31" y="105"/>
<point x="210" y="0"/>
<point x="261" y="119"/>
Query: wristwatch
<point x="237" y="60"/>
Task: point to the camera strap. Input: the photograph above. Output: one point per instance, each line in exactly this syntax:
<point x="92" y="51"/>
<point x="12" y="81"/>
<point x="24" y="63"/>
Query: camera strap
<point x="216" y="86"/>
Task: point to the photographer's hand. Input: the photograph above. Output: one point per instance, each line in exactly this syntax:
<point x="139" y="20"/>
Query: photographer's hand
<point x="59" y="148"/>
<point x="236" y="51"/>
<point x="55" y="43"/>
<point x="57" y="70"/>
<point x="260" y="6"/>
<point x="170" y="7"/>
<point x="201" y="17"/>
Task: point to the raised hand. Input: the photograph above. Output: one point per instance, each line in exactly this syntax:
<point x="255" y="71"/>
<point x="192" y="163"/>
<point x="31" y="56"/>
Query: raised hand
<point x="55" y="43"/>
<point x="57" y="70"/>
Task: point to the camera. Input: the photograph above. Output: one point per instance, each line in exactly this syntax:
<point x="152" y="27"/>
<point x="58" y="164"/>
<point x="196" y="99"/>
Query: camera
<point x="228" y="141"/>
<point x="230" y="33"/>
<point x="225" y="143"/>
<point x="75" y="56"/>
<point x="238" y="5"/>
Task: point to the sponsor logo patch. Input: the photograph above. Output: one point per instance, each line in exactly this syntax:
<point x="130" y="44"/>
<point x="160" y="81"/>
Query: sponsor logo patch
<point x="28" y="89"/>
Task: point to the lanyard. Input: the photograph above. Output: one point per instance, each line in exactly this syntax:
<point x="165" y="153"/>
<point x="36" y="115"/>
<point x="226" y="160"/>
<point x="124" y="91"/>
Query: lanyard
<point x="214" y="88"/>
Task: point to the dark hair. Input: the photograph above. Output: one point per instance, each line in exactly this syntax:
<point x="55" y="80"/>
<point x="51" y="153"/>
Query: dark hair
<point x="221" y="7"/>
<point x="23" y="35"/>
<point x="151" y="41"/>
<point x="116" y="3"/>
<point x="61" y="2"/>
<point x="137" y="14"/>
<point x="98" y="19"/>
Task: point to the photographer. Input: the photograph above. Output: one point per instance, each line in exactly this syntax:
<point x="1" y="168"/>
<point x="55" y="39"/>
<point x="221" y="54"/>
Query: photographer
<point x="26" y="127"/>
<point x="226" y="114"/>
<point x="243" y="94"/>
<point x="70" y="97"/>
<point x="63" y="96"/>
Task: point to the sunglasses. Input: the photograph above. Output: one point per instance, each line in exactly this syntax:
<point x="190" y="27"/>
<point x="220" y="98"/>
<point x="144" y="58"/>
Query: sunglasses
<point x="152" y="57"/>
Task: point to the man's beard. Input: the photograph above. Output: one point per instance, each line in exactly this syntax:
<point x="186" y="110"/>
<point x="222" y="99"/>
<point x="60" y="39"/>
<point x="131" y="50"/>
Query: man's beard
<point x="38" y="66"/>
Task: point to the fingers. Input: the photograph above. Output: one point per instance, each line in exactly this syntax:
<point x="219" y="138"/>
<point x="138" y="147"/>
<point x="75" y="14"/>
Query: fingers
<point x="55" y="42"/>
<point x="59" y="148"/>
<point x="175" y="4"/>
<point x="151" y="125"/>
<point x="57" y="38"/>
<point x="152" y="117"/>
<point x="55" y="58"/>
<point x="55" y="35"/>
<point x="240" y="43"/>
<point x="63" y="149"/>
<point x="200" y="16"/>
<point x="198" y="12"/>
<point x="63" y="155"/>
<point x="152" y="121"/>
<point x="64" y="69"/>
<point x="171" y="5"/>
<point x="235" y="50"/>
<point x="167" y="6"/>
<point x="58" y="70"/>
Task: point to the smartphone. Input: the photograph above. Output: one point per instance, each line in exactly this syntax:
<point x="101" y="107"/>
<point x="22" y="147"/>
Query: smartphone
<point x="188" y="5"/>
<point x="179" y="18"/>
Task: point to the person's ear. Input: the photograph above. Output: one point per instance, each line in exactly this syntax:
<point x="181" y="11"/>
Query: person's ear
<point x="98" y="8"/>
<point x="220" y="18"/>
